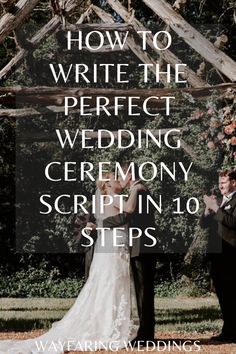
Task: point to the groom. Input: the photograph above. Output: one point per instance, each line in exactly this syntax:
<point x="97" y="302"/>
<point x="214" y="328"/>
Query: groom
<point x="143" y="260"/>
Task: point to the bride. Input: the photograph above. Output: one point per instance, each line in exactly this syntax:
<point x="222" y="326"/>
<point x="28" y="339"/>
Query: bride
<point x="105" y="314"/>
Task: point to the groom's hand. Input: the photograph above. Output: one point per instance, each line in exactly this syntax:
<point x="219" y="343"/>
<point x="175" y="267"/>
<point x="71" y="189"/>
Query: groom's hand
<point x="211" y="203"/>
<point x="139" y="187"/>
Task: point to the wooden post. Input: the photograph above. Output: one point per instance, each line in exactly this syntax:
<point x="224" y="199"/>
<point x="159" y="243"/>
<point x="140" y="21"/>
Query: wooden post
<point x="166" y="55"/>
<point x="55" y="95"/>
<point x="193" y="38"/>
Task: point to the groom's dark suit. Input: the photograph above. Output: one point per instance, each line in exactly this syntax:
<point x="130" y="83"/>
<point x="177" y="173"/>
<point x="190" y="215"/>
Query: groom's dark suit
<point x="143" y="262"/>
<point x="222" y="257"/>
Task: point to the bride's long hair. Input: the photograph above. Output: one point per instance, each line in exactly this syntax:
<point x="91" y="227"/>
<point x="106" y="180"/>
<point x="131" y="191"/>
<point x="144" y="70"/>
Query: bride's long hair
<point x="101" y="185"/>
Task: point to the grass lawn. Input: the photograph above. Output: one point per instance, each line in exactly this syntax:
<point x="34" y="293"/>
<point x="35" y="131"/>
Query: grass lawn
<point x="172" y="314"/>
<point x="178" y="320"/>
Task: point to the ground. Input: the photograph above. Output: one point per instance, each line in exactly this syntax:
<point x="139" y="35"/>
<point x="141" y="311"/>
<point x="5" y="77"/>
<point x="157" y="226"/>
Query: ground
<point x="207" y="347"/>
<point x="177" y="320"/>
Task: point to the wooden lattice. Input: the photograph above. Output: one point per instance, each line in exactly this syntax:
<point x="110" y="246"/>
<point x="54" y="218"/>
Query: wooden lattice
<point x="51" y="97"/>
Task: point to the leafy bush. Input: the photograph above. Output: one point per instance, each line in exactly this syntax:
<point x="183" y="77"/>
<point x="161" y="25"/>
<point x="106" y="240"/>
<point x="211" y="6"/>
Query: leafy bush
<point x="40" y="282"/>
<point x="181" y="288"/>
<point x="35" y="282"/>
<point x="211" y="136"/>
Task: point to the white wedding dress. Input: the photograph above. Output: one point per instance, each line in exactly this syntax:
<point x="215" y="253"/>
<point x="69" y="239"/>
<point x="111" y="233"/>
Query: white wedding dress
<point x="105" y="313"/>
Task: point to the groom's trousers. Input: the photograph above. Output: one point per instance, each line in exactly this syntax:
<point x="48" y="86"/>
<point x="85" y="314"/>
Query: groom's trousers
<point x="143" y="268"/>
<point x="222" y="272"/>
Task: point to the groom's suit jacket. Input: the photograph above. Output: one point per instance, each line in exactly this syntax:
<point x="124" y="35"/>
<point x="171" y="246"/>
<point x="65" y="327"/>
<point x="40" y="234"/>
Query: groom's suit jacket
<point x="226" y="217"/>
<point x="222" y="233"/>
<point x="137" y="219"/>
<point x="222" y="257"/>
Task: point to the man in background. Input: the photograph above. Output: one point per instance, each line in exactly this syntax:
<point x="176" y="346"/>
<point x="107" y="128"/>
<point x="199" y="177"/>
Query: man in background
<point x="221" y="221"/>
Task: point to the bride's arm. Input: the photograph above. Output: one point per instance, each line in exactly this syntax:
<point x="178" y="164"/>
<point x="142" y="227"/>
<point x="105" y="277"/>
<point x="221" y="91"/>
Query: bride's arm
<point x="130" y="205"/>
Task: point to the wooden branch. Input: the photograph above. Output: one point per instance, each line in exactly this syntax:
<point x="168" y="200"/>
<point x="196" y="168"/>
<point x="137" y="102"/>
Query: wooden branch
<point x="19" y="113"/>
<point x="29" y="112"/>
<point x="22" y="90"/>
<point x="84" y="15"/>
<point x="55" y="7"/>
<point x="29" y="137"/>
<point x="54" y="23"/>
<point x="166" y="55"/>
<point x="9" y="21"/>
<point x="119" y="27"/>
<point x="134" y="47"/>
<point x="11" y="65"/>
<point x="193" y="38"/>
<point x="106" y="49"/>
<point x="41" y="35"/>
<point x="55" y="95"/>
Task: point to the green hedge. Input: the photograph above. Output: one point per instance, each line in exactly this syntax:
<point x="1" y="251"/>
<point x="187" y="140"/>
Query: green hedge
<point x="39" y="283"/>
<point x="48" y="284"/>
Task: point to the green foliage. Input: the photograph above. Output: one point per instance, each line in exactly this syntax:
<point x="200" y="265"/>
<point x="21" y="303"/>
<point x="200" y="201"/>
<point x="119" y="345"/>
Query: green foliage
<point x="181" y="287"/>
<point x="45" y="283"/>
<point x="39" y="282"/>
<point x="205" y="122"/>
